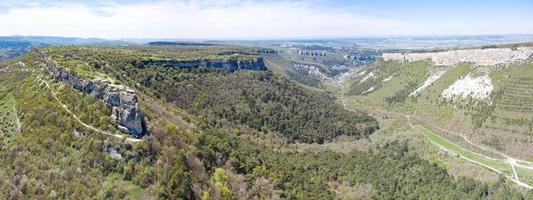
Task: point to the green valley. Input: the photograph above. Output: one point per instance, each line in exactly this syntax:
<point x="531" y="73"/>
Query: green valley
<point x="266" y="100"/>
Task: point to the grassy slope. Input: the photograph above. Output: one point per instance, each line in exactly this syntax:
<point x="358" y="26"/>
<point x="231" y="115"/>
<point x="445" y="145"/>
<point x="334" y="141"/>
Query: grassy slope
<point x="428" y="98"/>
<point x="411" y="72"/>
<point x="395" y="127"/>
<point x="524" y="174"/>
<point x="428" y="105"/>
<point x="83" y="69"/>
<point x="505" y="125"/>
<point x="118" y="180"/>
<point x="284" y="67"/>
<point x="498" y="164"/>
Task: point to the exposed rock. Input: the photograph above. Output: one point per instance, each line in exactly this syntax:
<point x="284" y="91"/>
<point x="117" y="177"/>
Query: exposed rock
<point x="267" y="51"/>
<point x="226" y="65"/>
<point x="388" y="78"/>
<point x="121" y="100"/>
<point x="78" y="133"/>
<point x="310" y="70"/>
<point x="369" y="75"/>
<point x="485" y="57"/>
<point x="479" y="88"/>
<point x="311" y="53"/>
<point x="434" y="77"/>
<point x="363" y="57"/>
<point x="113" y="153"/>
<point x="369" y="90"/>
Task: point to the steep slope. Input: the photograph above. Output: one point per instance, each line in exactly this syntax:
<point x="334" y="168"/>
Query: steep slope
<point x="477" y="97"/>
<point x="257" y="99"/>
<point x="482" y="104"/>
<point x="121" y="100"/>
<point x="45" y="154"/>
<point x="307" y="74"/>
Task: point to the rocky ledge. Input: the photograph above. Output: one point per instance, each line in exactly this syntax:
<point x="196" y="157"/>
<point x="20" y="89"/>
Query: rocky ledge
<point x="226" y="65"/>
<point x="486" y="57"/>
<point x="120" y="99"/>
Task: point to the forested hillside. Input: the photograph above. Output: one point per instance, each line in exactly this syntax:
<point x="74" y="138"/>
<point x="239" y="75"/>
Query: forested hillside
<point x="257" y="99"/>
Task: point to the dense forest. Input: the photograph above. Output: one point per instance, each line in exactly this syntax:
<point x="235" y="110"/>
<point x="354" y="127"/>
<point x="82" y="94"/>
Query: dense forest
<point x="257" y="99"/>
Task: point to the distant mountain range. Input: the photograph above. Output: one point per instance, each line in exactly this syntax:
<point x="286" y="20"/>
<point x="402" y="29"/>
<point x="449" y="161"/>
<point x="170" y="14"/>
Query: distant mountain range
<point x="51" y="40"/>
<point x="14" y="46"/>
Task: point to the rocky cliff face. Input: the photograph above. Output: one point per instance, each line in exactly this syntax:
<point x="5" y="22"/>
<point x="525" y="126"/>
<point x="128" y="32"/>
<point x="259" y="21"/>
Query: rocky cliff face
<point x="476" y="56"/>
<point x="121" y="100"/>
<point x="226" y="65"/>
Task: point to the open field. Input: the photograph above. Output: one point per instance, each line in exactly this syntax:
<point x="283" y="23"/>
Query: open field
<point x="116" y="181"/>
<point x="395" y="126"/>
<point x="517" y="171"/>
<point x="495" y="163"/>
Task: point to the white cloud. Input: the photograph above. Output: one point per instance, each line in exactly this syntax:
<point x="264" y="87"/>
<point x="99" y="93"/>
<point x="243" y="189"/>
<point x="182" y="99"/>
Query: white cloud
<point x="194" y="19"/>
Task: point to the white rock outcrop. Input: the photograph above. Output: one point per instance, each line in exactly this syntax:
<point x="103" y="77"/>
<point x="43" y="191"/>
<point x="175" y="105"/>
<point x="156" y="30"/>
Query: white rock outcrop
<point x="388" y="78"/>
<point x="428" y="82"/>
<point x="369" y="75"/>
<point x="486" y="57"/>
<point x="479" y="88"/>
<point x="310" y="70"/>
<point x="369" y="90"/>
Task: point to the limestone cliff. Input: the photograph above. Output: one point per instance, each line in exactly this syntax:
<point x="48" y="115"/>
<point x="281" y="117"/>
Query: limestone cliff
<point x="121" y="100"/>
<point x="485" y="57"/>
<point x="221" y="64"/>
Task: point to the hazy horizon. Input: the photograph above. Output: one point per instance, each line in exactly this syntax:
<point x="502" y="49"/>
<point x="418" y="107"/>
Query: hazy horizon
<point x="256" y="20"/>
<point x="295" y="38"/>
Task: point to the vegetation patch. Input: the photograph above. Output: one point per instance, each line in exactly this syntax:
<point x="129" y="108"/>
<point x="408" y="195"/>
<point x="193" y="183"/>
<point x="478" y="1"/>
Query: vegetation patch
<point x="115" y="186"/>
<point x="407" y="78"/>
<point x="494" y="163"/>
<point x="9" y="122"/>
<point x="256" y="99"/>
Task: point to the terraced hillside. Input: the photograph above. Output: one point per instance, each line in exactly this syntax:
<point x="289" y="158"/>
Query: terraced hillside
<point x="518" y="90"/>
<point x="471" y="104"/>
<point x="512" y="120"/>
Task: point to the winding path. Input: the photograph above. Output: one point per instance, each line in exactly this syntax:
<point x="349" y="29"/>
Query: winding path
<point x="17" y="119"/>
<point x="65" y="107"/>
<point x="513" y="162"/>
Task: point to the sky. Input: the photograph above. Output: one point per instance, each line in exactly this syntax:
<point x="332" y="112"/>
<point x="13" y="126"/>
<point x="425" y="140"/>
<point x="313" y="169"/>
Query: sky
<point x="253" y="19"/>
